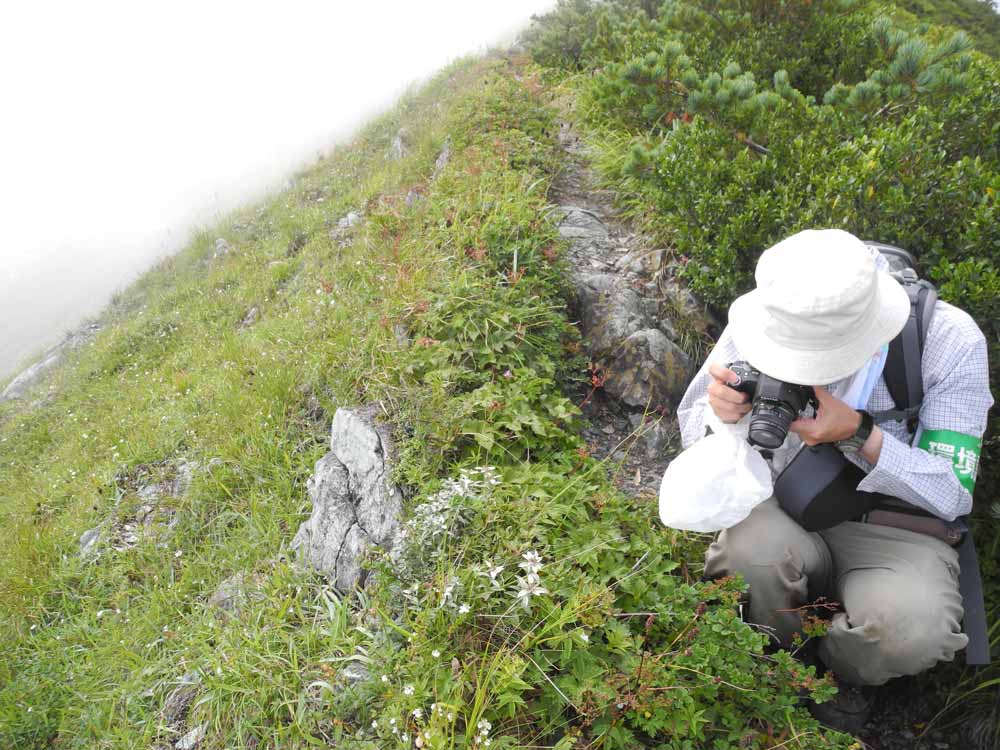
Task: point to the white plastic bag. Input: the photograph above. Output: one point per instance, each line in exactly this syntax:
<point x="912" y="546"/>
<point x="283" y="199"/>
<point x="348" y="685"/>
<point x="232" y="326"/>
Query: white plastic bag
<point x="714" y="484"/>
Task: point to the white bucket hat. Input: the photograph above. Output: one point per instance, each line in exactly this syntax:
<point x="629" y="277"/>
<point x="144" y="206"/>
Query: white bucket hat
<point x="820" y="309"/>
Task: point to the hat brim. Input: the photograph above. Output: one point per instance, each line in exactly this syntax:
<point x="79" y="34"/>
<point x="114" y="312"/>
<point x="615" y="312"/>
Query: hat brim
<point x="748" y="322"/>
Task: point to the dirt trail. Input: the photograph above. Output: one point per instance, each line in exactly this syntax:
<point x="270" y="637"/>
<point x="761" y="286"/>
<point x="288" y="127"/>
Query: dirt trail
<point x="638" y="446"/>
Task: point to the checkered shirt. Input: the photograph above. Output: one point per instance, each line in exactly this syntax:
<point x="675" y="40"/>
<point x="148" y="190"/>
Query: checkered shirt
<point x="956" y="397"/>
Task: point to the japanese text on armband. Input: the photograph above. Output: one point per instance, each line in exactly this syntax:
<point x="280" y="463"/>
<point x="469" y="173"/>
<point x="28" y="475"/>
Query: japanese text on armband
<point x="963" y="450"/>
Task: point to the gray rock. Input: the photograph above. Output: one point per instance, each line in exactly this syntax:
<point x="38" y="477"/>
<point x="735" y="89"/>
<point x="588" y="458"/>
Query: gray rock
<point x="234" y="592"/>
<point x="89" y="541"/>
<point x="401" y="334"/>
<point x="222" y="248"/>
<point x="400" y="146"/>
<point x="342" y="232"/>
<point x="580" y="223"/>
<point x="251" y="317"/>
<point x="192" y="739"/>
<point x="354" y="501"/>
<point x="178" y="703"/>
<point x="412" y="197"/>
<point x="176" y="486"/>
<point x="648" y="370"/>
<point x="26" y="380"/>
<point x="610" y="312"/>
<point x="656" y="438"/>
<point x="349" y="219"/>
<point x="156" y="515"/>
<point x="442" y="158"/>
<point x="355" y="672"/>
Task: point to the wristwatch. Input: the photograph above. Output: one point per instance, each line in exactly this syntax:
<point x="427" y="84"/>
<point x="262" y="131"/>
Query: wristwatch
<point x="853" y="444"/>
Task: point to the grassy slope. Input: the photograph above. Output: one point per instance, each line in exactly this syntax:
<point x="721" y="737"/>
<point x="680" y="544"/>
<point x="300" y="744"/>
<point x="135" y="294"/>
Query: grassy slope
<point x="92" y="650"/>
<point x="171" y="376"/>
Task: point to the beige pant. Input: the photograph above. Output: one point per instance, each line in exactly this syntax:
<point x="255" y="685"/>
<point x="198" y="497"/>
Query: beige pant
<point x="899" y="589"/>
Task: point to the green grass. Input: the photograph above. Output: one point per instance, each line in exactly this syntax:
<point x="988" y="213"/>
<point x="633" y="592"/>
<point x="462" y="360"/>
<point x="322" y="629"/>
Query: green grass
<point x="172" y="376"/>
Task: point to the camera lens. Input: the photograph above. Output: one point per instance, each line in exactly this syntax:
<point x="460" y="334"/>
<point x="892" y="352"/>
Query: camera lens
<point x="769" y="423"/>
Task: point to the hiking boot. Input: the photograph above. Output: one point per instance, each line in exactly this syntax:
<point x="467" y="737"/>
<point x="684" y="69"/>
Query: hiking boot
<point x="847" y="711"/>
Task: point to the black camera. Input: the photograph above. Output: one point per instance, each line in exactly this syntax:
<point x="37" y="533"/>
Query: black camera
<point x="775" y="404"/>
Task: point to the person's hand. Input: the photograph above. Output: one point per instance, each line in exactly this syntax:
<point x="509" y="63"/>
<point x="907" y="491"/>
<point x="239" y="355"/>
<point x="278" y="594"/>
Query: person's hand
<point x="727" y="403"/>
<point x="834" y="420"/>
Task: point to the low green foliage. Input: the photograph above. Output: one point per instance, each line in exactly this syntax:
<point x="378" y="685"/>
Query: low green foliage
<point x="726" y="126"/>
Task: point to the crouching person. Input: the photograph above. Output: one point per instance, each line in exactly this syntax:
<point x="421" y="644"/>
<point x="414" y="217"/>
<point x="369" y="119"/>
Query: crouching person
<point x="823" y="314"/>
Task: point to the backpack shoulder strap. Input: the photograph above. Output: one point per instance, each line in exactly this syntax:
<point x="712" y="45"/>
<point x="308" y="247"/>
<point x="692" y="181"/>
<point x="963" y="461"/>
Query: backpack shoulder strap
<point x="903" y="373"/>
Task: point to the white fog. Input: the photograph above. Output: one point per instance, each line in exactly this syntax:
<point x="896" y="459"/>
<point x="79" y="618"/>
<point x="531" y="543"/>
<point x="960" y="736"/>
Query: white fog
<point x="129" y="124"/>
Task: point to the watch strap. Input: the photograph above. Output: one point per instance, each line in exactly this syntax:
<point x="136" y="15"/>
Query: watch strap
<point x="854" y="443"/>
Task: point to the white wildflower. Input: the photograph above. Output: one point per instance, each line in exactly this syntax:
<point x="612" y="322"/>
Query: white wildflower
<point x="435" y="653"/>
<point x="450" y="588"/>
<point x="532" y="562"/>
<point x="392" y="721"/>
<point x="584" y="637"/>
<point x="464" y="609"/>
<point x="465" y="485"/>
<point x="529" y="586"/>
<point x="418" y="713"/>
<point x="408" y="690"/>
<point x="492" y="571"/>
<point x="385" y="678"/>
<point x="374" y="723"/>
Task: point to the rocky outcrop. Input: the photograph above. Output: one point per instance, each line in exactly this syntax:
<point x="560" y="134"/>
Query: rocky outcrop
<point x="632" y="314"/>
<point x="620" y="312"/>
<point x="355" y="504"/>
<point x="19" y="386"/>
<point x="650" y="370"/>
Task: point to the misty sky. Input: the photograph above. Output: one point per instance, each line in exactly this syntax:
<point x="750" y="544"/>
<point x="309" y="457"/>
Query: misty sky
<point x="126" y="124"/>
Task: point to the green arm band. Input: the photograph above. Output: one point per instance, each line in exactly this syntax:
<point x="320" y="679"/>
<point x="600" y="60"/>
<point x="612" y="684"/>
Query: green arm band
<point x="963" y="450"/>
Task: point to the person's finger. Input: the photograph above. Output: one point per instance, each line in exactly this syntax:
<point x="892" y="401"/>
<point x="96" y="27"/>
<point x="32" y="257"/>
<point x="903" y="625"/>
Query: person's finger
<point x="726" y="411"/>
<point x="822" y="394"/>
<point x="727" y="416"/>
<point x="722" y="373"/>
<point x="804" y="430"/>
<point x="723" y="392"/>
<point x="803" y="427"/>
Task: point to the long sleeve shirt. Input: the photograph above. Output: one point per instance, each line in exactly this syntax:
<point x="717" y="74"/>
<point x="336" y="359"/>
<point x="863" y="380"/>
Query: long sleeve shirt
<point x="956" y="398"/>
